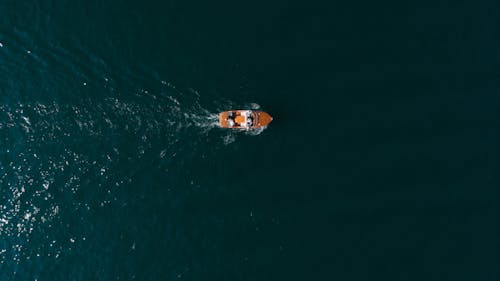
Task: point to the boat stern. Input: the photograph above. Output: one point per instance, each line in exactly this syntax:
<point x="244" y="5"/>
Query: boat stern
<point x="223" y="117"/>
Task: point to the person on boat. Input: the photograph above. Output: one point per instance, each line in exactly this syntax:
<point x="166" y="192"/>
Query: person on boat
<point x="231" y="119"/>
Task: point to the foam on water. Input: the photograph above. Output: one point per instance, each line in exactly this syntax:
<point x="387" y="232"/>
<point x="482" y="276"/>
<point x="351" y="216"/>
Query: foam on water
<point x="63" y="160"/>
<point x="47" y="161"/>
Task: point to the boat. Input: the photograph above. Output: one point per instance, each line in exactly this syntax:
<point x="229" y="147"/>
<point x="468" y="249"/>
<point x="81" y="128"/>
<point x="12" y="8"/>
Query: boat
<point x="244" y="119"/>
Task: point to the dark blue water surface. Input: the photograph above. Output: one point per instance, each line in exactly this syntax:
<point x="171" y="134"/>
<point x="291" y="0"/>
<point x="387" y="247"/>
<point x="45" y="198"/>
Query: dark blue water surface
<point x="382" y="162"/>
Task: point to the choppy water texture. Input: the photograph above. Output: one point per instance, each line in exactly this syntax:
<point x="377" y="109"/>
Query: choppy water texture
<point x="107" y="168"/>
<point x="381" y="162"/>
<point x="70" y="159"/>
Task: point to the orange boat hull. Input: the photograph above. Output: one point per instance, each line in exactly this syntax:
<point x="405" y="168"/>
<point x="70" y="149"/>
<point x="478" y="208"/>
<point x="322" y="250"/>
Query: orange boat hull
<point x="236" y="119"/>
